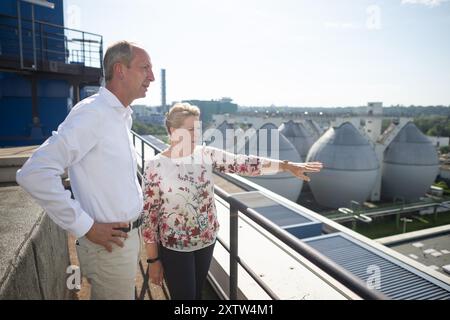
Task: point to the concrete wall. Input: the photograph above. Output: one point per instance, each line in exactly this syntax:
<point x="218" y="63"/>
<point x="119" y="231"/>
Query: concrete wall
<point x="34" y="252"/>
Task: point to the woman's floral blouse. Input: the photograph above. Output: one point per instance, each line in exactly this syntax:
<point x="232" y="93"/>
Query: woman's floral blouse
<point x="179" y="207"/>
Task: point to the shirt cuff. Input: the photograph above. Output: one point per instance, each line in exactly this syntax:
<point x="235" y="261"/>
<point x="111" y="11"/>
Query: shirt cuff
<point x="82" y="225"/>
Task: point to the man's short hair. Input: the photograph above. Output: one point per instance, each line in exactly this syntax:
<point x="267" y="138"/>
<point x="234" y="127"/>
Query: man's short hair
<point x="122" y="52"/>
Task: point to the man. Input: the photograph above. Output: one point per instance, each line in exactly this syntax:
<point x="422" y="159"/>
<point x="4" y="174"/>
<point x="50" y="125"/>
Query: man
<point x="94" y="144"/>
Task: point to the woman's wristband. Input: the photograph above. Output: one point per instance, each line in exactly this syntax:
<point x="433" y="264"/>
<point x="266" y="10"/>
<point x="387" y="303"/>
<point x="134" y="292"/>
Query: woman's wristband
<point x="152" y="260"/>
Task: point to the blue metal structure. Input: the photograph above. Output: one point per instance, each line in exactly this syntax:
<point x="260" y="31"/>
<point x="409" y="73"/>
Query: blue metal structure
<point x="44" y="68"/>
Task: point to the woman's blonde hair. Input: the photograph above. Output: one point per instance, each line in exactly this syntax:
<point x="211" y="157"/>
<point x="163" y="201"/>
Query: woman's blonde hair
<point x="180" y="111"/>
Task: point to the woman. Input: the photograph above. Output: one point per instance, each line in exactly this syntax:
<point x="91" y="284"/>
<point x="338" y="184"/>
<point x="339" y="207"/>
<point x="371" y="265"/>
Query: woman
<point x="180" y="223"/>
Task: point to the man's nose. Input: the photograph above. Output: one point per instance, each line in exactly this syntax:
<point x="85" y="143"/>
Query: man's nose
<point x="151" y="76"/>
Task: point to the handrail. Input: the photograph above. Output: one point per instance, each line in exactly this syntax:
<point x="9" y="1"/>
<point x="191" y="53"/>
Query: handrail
<point x="236" y="206"/>
<point x="49" y="24"/>
<point x="317" y="258"/>
<point x="35" y="41"/>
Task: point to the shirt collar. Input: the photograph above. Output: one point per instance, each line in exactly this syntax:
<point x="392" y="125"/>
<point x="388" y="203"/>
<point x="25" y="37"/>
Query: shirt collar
<point x="114" y="102"/>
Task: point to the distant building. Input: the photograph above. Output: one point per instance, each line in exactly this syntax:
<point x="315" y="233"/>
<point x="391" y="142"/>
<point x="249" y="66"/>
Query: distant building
<point x="208" y="108"/>
<point x="163" y="91"/>
<point x="373" y="120"/>
<point x="444" y="172"/>
<point x="439" y="142"/>
<point x="148" y="115"/>
<point x="141" y="111"/>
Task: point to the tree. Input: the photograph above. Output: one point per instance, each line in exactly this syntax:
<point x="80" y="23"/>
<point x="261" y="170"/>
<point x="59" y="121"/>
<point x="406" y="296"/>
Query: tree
<point x="445" y="149"/>
<point x="145" y="129"/>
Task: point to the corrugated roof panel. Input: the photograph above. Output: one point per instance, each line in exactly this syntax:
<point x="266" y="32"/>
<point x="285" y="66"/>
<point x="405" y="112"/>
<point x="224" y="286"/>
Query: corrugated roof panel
<point x="295" y="222"/>
<point x="398" y="280"/>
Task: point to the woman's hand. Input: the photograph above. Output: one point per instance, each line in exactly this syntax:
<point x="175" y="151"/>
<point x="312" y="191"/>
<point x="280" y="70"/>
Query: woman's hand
<point x="299" y="169"/>
<point x="156" y="273"/>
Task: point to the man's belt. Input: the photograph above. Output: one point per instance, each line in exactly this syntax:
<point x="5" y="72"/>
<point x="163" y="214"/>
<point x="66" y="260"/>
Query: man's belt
<point x="132" y="225"/>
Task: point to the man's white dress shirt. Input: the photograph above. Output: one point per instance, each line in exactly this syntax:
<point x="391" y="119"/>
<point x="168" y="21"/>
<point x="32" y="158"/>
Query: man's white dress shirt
<point x="95" y="144"/>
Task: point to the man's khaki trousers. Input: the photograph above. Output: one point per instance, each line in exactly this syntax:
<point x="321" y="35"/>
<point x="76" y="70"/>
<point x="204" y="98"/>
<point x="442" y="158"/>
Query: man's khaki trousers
<point x="112" y="275"/>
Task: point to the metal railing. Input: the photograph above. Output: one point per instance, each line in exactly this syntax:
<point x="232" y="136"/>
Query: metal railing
<point x="33" y="42"/>
<point x="343" y="276"/>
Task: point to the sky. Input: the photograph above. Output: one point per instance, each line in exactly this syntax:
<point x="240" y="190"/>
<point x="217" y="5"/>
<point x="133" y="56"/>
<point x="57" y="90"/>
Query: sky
<point x="308" y="53"/>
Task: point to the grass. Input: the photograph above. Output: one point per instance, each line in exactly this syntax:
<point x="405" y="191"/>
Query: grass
<point x="387" y="226"/>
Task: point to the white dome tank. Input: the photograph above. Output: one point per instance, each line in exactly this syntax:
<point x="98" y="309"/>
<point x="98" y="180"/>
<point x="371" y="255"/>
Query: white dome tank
<point x="350" y="167"/>
<point x="315" y="128"/>
<point x="284" y="184"/>
<point x="300" y="137"/>
<point x="219" y="138"/>
<point x="410" y="165"/>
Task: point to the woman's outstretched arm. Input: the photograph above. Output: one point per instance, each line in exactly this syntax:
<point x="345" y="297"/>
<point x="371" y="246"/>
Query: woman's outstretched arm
<point x="224" y="161"/>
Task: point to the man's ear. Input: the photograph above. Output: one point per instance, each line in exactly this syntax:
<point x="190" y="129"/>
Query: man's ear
<point x="118" y="70"/>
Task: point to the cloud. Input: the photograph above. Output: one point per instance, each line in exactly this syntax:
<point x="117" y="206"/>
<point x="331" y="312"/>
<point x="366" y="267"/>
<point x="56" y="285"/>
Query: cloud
<point x="341" y="25"/>
<point x="428" y="3"/>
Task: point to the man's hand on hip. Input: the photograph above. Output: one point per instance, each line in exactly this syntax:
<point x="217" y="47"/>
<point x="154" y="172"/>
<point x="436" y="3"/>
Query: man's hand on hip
<point x="105" y="234"/>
